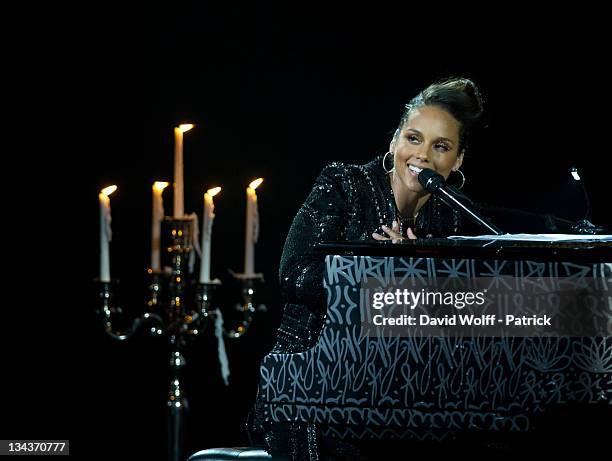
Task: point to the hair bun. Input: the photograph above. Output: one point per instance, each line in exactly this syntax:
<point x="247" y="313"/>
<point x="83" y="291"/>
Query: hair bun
<point x="469" y="87"/>
<point x="473" y="104"/>
<point x="458" y="96"/>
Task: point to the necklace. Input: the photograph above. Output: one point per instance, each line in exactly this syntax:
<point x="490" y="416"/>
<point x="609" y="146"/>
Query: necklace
<point x="404" y="222"/>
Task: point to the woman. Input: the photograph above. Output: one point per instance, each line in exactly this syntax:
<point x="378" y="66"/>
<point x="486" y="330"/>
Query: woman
<point x="382" y="200"/>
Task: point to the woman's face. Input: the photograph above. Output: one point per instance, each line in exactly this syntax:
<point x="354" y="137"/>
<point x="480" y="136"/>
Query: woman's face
<point x="428" y="139"/>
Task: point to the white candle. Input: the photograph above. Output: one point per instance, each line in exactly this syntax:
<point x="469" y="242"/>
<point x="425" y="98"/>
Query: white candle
<point x="105" y="232"/>
<point x="207" y="222"/>
<point x="156" y="219"/>
<point x="252" y="228"/>
<point x="179" y="206"/>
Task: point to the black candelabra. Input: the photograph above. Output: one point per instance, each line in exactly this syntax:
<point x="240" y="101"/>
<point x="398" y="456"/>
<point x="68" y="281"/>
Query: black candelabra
<point x="178" y="309"/>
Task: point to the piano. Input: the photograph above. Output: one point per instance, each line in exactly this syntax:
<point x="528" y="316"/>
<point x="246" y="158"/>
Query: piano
<point x="431" y="388"/>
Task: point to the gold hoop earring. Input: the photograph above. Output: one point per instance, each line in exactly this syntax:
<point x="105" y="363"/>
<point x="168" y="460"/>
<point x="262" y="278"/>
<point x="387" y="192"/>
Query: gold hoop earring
<point x="383" y="163"/>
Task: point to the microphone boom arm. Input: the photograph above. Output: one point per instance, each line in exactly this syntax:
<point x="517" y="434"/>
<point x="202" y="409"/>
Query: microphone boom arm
<point x="435" y="183"/>
<point x="449" y="198"/>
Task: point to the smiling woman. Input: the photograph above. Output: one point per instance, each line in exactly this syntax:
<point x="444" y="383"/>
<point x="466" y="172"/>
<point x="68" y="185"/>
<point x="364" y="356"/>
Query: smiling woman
<point x="432" y="133"/>
<point x="380" y="200"/>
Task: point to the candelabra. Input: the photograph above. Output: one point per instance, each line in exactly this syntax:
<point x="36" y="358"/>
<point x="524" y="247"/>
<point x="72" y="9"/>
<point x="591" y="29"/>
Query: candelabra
<point x="178" y="309"/>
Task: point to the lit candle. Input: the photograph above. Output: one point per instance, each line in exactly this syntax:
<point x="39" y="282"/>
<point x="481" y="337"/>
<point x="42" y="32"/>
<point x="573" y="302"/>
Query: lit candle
<point x="252" y="228"/>
<point x="157" y="216"/>
<point x="105" y="232"/>
<point x="209" y="216"/>
<point x="179" y="208"/>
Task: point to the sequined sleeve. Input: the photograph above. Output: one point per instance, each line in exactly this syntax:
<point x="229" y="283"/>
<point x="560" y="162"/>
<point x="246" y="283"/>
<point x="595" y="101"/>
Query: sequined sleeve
<point x="322" y="217"/>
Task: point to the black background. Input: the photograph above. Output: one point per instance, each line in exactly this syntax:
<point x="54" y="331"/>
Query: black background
<point x="273" y="93"/>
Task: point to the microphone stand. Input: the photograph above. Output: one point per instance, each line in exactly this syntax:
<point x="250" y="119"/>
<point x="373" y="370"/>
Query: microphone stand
<point x="449" y="198"/>
<point x="435" y="183"/>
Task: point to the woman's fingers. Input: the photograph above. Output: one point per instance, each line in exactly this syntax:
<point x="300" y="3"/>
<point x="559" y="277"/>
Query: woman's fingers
<point x="393" y="234"/>
<point x="378" y="236"/>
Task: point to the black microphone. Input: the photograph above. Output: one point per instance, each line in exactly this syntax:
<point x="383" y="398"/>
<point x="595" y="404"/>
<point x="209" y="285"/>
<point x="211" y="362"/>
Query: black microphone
<point x="434" y="182"/>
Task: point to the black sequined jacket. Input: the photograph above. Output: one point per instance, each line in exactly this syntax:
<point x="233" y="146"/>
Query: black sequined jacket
<point x="347" y="203"/>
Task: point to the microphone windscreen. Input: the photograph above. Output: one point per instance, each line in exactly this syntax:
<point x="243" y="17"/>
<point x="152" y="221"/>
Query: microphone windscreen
<point x="430" y="180"/>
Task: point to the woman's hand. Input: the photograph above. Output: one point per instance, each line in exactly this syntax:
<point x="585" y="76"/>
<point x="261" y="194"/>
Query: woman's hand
<point x="394" y="234"/>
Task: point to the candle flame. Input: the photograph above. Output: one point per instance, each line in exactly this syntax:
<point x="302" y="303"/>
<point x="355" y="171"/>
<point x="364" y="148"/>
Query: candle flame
<point x="108" y="190"/>
<point x="185" y="127"/>
<point x="214" y="191"/>
<point x="160" y="185"/>
<point x="256" y="183"/>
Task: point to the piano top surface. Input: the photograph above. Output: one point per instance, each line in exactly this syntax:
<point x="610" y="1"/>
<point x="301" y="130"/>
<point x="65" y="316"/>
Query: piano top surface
<point x="477" y="249"/>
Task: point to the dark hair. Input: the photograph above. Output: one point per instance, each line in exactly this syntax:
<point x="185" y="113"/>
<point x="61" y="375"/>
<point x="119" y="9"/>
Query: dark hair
<point x="460" y="97"/>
